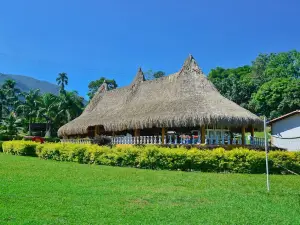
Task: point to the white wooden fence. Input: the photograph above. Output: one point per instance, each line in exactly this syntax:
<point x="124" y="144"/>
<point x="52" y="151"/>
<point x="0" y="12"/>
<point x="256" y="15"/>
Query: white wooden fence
<point x="76" y="141"/>
<point x="175" y="139"/>
<point x="172" y="139"/>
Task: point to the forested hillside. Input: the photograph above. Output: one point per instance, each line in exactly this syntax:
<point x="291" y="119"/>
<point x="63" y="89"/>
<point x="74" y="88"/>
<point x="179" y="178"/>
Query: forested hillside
<point x="26" y="83"/>
<point x="269" y="86"/>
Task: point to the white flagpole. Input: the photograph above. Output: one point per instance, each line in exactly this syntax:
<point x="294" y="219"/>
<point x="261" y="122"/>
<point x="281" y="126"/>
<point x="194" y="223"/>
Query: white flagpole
<point x="266" y="149"/>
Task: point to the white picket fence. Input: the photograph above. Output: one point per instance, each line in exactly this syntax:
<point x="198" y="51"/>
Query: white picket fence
<point x="76" y="141"/>
<point x="172" y="139"/>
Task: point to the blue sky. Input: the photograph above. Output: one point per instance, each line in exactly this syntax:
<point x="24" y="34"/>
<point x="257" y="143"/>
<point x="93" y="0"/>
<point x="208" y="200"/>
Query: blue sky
<point x="93" y="38"/>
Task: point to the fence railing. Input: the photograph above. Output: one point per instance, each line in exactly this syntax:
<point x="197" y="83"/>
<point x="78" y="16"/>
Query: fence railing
<point x="76" y="141"/>
<point x="173" y="139"/>
<point x="255" y="141"/>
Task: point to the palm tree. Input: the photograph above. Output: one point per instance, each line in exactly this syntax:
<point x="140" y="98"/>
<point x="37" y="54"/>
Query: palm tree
<point x="2" y="102"/>
<point x="48" y="110"/>
<point x="70" y="106"/>
<point x="11" y="125"/>
<point x="11" y="96"/>
<point x="30" y="106"/>
<point x="62" y="81"/>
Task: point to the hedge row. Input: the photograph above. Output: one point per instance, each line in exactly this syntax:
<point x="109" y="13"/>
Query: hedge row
<point x="238" y="160"/>
<point x="26" y="148"/>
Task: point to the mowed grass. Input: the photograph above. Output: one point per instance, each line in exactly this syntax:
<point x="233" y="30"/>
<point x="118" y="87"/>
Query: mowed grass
<point x="34" y="191"/>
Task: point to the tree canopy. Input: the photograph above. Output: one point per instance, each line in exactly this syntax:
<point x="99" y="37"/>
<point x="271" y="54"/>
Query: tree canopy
<point x="18" y="110"/>
<point x="62" y="81"/>
<point x="269" y="86"/>
<point x="277" y="97"/>
<point x="94" y="85"/>
<point x="151" y="75"/>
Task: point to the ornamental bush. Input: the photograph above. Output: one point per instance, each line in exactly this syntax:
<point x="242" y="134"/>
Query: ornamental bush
<point x="238" y="160"/>
<point x="20" y="147"/>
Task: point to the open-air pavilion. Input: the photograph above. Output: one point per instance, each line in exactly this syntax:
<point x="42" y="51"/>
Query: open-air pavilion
<point x="184" y="107"/>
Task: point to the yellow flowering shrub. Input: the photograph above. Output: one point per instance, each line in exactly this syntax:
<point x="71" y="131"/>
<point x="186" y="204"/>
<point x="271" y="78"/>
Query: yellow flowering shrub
<point x="237" y="160"/>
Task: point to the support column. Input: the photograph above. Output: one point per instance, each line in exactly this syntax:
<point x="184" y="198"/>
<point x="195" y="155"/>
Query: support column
<point x="136" y="132"/>
<point x="243" y="135"/>
<point x="163" y="135"/>
<point x="202" y="134"/>
<point x="252" y="131"/>
<point x="96" y="131"/>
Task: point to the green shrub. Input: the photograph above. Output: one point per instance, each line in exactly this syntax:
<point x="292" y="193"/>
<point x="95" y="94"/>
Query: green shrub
<point x="1" y="142"/>
<point x="238" y="160"/>
<point x="20" y="147"/>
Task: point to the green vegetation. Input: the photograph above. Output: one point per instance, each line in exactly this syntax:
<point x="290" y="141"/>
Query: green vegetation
<point x="151" y="75"/>
<point x="18" y="110"/>
<point x="34" y="191"/>
<point x="94" y="85"/>
<point x="276" y="97"/>
<point x="270" y="86"/>
<point x="239" y="160"/>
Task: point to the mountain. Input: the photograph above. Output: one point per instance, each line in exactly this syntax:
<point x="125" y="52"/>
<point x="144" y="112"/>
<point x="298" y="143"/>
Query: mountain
<point x="25" y="83"/>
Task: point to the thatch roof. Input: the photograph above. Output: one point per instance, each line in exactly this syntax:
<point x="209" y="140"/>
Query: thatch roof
<point x="185" y="98"/>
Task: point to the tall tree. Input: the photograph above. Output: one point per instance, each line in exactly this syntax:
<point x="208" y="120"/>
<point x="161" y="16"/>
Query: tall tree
<point x="277" y="97"/>
<point x="151" y="75"/>
<point x="62" y="81"/>
<point x="276" y="65"/>
<point x="2" y="102"/>
<point x="12" y="94"/>
<point x="235" y="84"/>
<point x="158" y="74"/>
<point x="11" y="125"/>
<point x="70" y="106"/>
<point x="48" y="110"/>
<point x="94" y="85"/>
<point x="29" y="107"/>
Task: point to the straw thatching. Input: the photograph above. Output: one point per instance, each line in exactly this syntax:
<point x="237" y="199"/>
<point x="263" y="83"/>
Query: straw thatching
<point x="186" y="98"/>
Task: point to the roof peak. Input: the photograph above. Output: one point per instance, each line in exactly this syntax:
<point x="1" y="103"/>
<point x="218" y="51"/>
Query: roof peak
<point x="139" y="77"/>
<point x="191" y="64"/>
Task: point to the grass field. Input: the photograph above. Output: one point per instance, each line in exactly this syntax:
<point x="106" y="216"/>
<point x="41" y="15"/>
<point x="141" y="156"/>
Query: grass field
<point x="34" y="191"/>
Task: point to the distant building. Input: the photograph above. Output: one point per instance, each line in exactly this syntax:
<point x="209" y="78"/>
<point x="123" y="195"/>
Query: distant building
<point x="38" y="129"/>
<point x="285" y="131"/>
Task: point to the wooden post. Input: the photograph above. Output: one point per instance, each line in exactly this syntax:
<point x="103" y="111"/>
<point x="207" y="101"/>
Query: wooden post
<point x="136" y="132"/>
<point x="202" y="134"/>
<point x="243" y="135"/>
<point x="163" y="135"/>
<point x="96" y="132"/>
<point x="252" y="131"/>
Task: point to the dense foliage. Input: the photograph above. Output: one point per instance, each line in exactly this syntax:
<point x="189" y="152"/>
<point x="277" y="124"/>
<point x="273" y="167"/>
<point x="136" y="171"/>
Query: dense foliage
<point x="151" y="75"/>
<point x="94" y="85"/>
<point x="238" y="160"/>
<point x="277" y="97"/>
<point x="270" y="86"/>
<point x="18" y="110"/>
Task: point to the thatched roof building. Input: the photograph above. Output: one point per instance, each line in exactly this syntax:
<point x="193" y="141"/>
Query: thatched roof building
<point x="183" y="99"/>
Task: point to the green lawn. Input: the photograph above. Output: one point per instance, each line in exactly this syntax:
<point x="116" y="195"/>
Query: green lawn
<point x="34" y="191"/>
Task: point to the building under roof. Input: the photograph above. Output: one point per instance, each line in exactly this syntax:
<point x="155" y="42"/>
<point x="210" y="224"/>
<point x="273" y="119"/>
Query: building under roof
<point x="285" y="131"/>
<point x="185" y="99"/>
